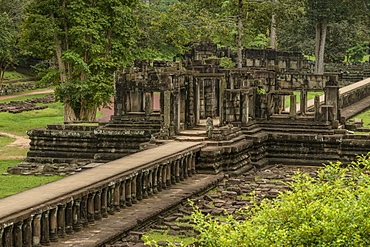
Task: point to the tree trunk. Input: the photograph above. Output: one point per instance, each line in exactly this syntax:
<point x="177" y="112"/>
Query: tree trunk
<point x="69" y="113"/>
<point x="84" y="114"/>
<point x="320" y="46"/>
<point x="2" y="75"/>
<point x="240" y="29"/>
<point x="273" y="32"/>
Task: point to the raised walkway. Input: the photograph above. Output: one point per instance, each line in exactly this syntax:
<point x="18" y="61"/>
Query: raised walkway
<point x="351" y="110"/>
<point x="113" y="227"/>
<point x="164" y="173"/>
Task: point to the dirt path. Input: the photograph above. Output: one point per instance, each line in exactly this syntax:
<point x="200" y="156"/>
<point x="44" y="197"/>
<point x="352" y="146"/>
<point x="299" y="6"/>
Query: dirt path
<point x="20" y="141"/>
<point x="23" y="142"/>
<point x="4" y="97"/>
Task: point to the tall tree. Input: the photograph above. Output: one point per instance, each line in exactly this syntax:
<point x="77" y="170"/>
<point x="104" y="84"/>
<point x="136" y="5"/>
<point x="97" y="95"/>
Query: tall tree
<point x="11" y="14"/>
<point x="87" y="40"/>
<point x="324" y="12"/>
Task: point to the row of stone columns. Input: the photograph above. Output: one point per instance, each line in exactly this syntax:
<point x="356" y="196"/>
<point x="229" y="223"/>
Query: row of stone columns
<point x="80" y="211"/>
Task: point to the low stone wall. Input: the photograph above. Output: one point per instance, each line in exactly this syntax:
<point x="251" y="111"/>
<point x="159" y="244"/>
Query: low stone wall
<point x="65" y="148"/>
<point x="350" y="97"/>
<point x="8" y="89"/>
<point x="56" y="209"/>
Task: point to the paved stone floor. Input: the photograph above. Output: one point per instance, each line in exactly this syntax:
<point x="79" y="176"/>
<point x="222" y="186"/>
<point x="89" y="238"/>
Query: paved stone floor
<point x="126" y="219"/>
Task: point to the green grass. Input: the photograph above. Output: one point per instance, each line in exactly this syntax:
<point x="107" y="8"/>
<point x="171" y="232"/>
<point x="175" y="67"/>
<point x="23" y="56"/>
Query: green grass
<point x="19" y="123"/>
<point x="14" y="75"/>
<point x="153" y="237"/>
<point x="12" y="184"/>
<point x="365" y="116"/>
<point x="5" y="140"/>
<point x="310" y="95"/>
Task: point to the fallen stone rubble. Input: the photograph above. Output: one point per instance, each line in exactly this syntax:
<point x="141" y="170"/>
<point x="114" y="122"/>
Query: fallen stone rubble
<point x="230" y="195"/>
<point x="27" y="105"/>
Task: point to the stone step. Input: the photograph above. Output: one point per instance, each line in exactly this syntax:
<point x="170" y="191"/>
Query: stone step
<point x="190" y="138"/>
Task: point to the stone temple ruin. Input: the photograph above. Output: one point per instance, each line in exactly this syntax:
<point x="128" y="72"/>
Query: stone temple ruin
<point x="240" y="114"/>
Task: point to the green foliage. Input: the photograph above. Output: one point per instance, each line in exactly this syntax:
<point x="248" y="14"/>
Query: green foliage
<point x="297" y="21"/>
<point x="12" y="184"/>
<point x="225" y="62"/>
<point x="330" y="210"/>
<point x="11" y="13"/>
<point x="357" y="52"/>
<point x="88" y="39"/>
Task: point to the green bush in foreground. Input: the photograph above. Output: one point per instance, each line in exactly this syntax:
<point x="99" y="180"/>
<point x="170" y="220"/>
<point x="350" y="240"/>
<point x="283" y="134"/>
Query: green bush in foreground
<point x="330" y="210"/>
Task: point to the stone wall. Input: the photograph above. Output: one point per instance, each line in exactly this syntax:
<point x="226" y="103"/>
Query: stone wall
<point x="12" y="88"/>
<point x="66" y="148"/>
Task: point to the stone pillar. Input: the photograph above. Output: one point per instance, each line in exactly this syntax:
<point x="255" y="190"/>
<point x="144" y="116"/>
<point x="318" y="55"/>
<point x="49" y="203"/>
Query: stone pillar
<point x="163" y="177"/>
<point x="104" y="199"/>
<point x="61" y="221"/>
<point x="146" y="185"/>
<point x="77" y="226"/>
<point x="317" y="107"/>
<point x="177" y="171"/>
<point x="53" y="224"/>
<point x="222" y="112"/>
<point x="303" y="103"/>
<point x="97" y="206"/>
<point x="116" y="197"/>
<point x="167" y="112"/>
<point x="110" y="199"/>
<point x="1" y="237"/>
<point x="148" y="107"/>
<point x="245" y="108"/>
<point x="45" y="228"/>
<point x="197" y="103"/>
<point x="156" y="180"/>
<point x="150" y="182"/>
<point x="8" y="237"/>
<point x="36" y="230"/>
<point x="176" y="104"/>
<point x="193" y="163"/>
<point x="17" y="234"/>
<point x="91" y="207"/>
<point x="139" y="186"/>
<point x="168" y="173"/>
<point x="69" y="218"/>
<point x="173" y="171"/>
<point x="128" y="192"/>
<point x="188" y="165"/>
<point x="122" y="199"/>
<point x="293" y="106"/>
<point x="26" y="233"/>
<point x="133" y="190"/>
<point x="184" y="168"/>
<point x="181" y="169"/>
<point x="332" y="98"/>
<point x="84" y="210"/>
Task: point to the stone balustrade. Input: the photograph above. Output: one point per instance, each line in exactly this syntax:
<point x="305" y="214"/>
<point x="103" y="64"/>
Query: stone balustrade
<point x="46" y="213"/>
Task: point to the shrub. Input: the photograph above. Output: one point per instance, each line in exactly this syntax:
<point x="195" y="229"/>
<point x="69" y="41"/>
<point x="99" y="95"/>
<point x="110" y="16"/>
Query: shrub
<point x="332" y="209"/>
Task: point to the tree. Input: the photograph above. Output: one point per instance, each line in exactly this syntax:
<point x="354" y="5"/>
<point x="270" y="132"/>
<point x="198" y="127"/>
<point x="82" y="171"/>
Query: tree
<point x="86" y="40"/>
<point x="11" y="14"/>
<point x="323" y="12"/>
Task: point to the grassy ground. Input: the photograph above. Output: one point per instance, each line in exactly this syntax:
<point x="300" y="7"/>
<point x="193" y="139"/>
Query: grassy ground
<point x="365" y="116"/>
<point x="17" y="124"/>
<point x="14" y="75"/>
<point x="11" y="184"/>
<point x="310" y="95"/>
